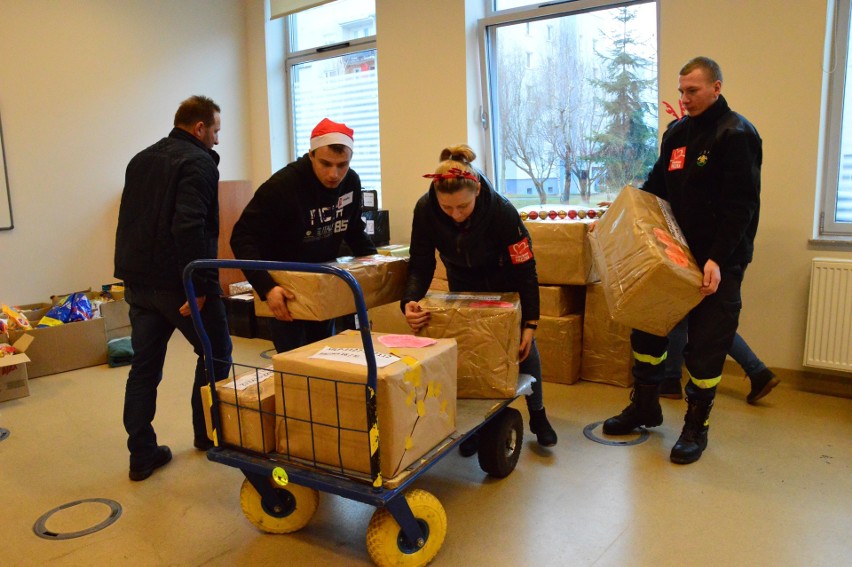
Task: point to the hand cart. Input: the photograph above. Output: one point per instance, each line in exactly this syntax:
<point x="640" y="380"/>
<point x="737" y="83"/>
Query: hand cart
<point x="281" y="492"/>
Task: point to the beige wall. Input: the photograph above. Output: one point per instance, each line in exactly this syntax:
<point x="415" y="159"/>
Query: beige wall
<point x="84" y="85"/>
<point x="66" y="165"/>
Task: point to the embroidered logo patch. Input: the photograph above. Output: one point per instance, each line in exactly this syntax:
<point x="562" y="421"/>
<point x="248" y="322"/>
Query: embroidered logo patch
<point x="520" y="251"/>
<point x="678" y="158"/>
<point x="703" y="158"/>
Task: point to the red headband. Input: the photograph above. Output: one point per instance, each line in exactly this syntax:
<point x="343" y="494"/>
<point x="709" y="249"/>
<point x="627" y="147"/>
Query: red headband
<point x="454" y="173"/>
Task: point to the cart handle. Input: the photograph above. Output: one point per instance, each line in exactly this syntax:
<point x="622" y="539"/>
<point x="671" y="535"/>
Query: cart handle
<point x="261" y="265"/>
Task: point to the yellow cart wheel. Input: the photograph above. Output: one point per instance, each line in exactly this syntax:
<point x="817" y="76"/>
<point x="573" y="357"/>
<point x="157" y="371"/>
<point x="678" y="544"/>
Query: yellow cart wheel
<point x="298" y="505"/>
<point x="387" y="544"/>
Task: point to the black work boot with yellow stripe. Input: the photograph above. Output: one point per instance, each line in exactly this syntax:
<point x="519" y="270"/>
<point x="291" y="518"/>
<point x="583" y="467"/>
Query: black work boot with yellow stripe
<point x="693" y="438"/>
<point x="644" y="410"/>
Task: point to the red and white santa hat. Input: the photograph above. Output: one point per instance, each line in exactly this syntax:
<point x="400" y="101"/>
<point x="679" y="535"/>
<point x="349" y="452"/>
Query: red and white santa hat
<point x="327" y="133"/>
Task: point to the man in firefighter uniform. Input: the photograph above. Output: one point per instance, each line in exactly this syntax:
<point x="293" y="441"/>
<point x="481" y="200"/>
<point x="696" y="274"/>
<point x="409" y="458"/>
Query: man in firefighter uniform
<point x="709" y="171"/>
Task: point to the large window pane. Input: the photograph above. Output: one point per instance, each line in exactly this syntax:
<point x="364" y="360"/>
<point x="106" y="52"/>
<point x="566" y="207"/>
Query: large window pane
<point x="574" y="104"/>
<point x="345" y="89"/>
<point x="843" y="199"/>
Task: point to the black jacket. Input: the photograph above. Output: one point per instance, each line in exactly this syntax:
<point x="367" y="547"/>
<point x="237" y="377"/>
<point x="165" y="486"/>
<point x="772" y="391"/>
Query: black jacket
<point x="169" y="215"/>
<point x="293" y="217"/>
<point x="478" y="254"/>
<point x="714" y="188"/>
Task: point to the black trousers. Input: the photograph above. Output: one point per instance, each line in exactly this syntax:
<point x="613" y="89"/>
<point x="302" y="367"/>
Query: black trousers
<point x="290" y="335"/>
<point x="712" y="327"/>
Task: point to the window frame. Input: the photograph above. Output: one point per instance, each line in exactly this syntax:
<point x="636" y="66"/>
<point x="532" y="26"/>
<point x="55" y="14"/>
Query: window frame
<point x="512" y="16"/>
<point x="836" y="58"/>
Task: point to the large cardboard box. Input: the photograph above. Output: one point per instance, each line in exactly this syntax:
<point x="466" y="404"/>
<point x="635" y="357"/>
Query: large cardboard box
<point x="607" y="354"/>
<point x="62" y="348"/>
<point x="562" y="255"/>
<point x="319" y="297"/>
<point x="650" y="279"/>
<point x="561" y="300"/>
<point x="246" y="410"/>
<point x="560" y="345"/>
<point x="322" y="392"/>
<point x="487" y="327"/>
<point x="13" y="384"/>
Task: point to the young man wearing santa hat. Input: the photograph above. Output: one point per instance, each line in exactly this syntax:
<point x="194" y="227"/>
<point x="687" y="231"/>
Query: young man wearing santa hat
<point x="301" y="214"/>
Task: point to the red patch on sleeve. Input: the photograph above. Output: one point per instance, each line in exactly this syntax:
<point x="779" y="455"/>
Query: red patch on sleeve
<point x="520" y="251"/>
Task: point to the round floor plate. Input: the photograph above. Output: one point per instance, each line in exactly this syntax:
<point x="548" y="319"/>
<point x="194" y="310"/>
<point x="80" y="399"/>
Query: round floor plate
<point x="4" y="434"/>
<point x="588" y="431"/>
<point x="40" y="527"/>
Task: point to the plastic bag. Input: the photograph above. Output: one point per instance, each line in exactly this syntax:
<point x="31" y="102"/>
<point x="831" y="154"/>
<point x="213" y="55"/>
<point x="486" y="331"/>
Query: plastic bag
<point x="16" y="318"/>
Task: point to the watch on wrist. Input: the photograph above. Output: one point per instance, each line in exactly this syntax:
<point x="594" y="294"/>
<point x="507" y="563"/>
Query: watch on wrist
<point x="532" y="326"/>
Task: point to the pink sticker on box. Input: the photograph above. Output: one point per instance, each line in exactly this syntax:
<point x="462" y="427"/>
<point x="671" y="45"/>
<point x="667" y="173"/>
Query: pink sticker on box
<point x="406" y="341"/>
<point x="500" y="304"/>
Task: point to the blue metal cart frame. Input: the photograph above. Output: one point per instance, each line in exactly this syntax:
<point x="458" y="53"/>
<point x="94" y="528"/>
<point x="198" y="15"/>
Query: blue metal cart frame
<point x="259" y="470"/>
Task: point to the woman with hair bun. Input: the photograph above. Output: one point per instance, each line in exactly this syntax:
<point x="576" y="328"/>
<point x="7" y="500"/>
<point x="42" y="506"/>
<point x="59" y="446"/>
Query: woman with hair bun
<point x="486" y="248"/>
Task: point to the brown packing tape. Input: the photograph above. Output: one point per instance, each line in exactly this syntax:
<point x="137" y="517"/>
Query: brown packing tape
<point x="319" y="297"/>
<point x="651" y="280"/>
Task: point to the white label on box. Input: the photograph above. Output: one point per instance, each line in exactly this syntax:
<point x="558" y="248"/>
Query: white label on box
<point x="371" y="226"/>
<point x="354" y="356"/>
<point x="369" y="199"/>
<point x="249" y="379"/>
<point x="674" y="229"/>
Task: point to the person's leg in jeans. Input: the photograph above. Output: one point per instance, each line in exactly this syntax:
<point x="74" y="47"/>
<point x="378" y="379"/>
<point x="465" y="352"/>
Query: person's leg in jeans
<point x="215" y="322"/>
<point x="670" y="386"/>
<point x="762" y="379"/>
<point x="149" y="337"/>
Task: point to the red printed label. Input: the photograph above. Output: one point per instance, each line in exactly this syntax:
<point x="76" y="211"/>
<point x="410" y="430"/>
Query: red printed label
<point x="520" y="252"/>
<point x="678" y="158"/>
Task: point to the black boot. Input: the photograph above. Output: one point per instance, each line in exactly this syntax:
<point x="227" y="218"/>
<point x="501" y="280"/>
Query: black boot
<point x="644" y="409"/>
<point x="693" y="438"/>
<point x="541" y="428"/>
<point x="761" y="384"/>
<point x="670" y="388"/>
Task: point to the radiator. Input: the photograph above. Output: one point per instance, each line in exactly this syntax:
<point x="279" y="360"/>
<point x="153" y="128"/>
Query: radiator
<point x="828" y="339"/>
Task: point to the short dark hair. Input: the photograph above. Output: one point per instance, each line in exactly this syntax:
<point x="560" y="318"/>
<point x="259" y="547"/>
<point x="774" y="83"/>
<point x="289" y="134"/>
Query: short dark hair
<point x="714" y="72"/>
<point x="196" y="109"/>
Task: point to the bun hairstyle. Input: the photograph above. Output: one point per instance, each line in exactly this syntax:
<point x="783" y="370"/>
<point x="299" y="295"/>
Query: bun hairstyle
<point x="455" y="172"/>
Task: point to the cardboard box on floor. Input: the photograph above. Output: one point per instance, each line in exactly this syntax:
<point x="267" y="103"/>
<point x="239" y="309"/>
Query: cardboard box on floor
<point x="561" y="300"/>
<point x="415" y="399"/>
<point x="650" y="278"/>
<point x="65" y="347"/>
<point x="246" y="410"/>
<point x="560" y="345"/>
<point x="13" y="384"/>
<point x="562" y="255"/>
<point x="607" y="354"/>
<point x="320" y="297"/>
<point x="487" y="327"/>
<point x="116" y="316"/>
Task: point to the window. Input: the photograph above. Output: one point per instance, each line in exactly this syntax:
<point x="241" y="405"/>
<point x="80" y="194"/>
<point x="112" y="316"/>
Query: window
<point x="836" y="204"/>
<point x="572" y="94"/>
<point x="332" y="66"/>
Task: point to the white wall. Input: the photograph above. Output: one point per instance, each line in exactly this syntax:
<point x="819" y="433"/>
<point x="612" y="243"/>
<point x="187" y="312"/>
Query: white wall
<point x="84" y="85"/>
<point x="82" y="90"/>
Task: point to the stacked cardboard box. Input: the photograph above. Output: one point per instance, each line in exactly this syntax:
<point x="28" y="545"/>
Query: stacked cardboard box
<point x="246" y="410"/>
<point x="607" y="355"/>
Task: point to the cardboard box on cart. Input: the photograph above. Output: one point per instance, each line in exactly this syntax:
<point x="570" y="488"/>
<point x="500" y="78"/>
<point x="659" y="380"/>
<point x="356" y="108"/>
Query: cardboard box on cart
<point x="650" y="279"/>
<point x="487" y="327"/>
<point x="415" y="402"/>
<point x="246" y="410"/>
<point x="320" y="297"/>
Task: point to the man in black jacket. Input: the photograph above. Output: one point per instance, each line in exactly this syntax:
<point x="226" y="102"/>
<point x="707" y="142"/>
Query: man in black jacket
<point x="301" y="214"/>
<point x="169" y="216"/>
<point x="709" y="171"/>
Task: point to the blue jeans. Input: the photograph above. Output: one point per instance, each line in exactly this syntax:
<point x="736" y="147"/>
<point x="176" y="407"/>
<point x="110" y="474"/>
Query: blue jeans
<point x="532" y="366"/>
<point x="154" y="316"/>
